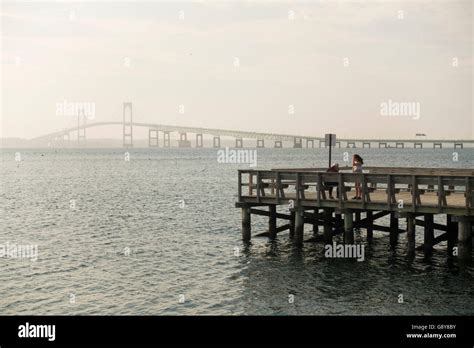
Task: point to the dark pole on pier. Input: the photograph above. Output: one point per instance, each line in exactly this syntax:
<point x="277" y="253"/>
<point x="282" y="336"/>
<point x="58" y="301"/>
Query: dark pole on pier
<point x="330" y="148"/>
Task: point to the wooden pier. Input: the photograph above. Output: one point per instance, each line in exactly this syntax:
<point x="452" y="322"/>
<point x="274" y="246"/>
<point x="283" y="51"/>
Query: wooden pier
<point x="414" y="194"/>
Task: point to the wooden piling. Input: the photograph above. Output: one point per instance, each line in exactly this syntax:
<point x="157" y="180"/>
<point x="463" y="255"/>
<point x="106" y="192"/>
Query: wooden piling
<point x="429" y="234"/>
<point x="411" y="232"/>
<point x="452" y="234"/>
<point x="464" y="239"/>
<point x="246" y="223"/>
<point x="370" y="226"/>
<point x="348" y="228"/>
<point x="299" y="226"/>
<point x="394" y="226"/>
<point x="338" y="221"/>
<point x="378" y="202"/>
<point x="357" y="216"/>
<point x="292" y="224"/>
<point x="272" y="222"/>
<point x="327" y="233"/>
<point x="315" y="224"/>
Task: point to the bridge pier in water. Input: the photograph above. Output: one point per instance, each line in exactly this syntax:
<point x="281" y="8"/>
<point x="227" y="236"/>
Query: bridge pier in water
<point x="216" y="141"/>
<point x="239" y="143"/>
<point x="166" y="139"/>
<point x="351" y="144"/>
<point x="260" y="143"/>
<point x="297" y="143"/>
<point x="199" y="142"/>
<point x="127" y="125"/>
<point x="153" y="138"/>
<point x="278" y="144"/>
<point x="81" y="129"/>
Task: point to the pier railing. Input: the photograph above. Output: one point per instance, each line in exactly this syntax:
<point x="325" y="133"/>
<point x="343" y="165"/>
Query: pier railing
<point x="448" y="192"/>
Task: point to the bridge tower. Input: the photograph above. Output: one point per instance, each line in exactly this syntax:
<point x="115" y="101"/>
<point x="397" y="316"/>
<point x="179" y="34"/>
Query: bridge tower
<point x="127" y="125"/>
<point x="81" y="128"/>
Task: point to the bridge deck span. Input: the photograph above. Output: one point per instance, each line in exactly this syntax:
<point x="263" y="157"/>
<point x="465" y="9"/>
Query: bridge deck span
<point x="252" y="135"/>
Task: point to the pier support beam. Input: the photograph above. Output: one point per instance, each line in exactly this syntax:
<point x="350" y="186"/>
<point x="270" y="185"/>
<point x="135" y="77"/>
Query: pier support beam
<point x="393" y="229"/>
<point x="292" y="224"/>
<point x="272" y="222"/>
<point x="464" y="236"/>
<point x="348" y="228"/>
<point x="452" y="231"/>
<point x="216" y="142"/>
<point x="315" y="224"/>
<point x="357" y="216"/>
<point x="338" y="221"/>
<point x="299" y="226"/>
<point x="370" y="226"/>
<point x="239" y="142"/>
<point x="429" y="234"/>
<point x="246" y="223"/>
<point x="411" y="232"/>
<point x="327" y="233"/>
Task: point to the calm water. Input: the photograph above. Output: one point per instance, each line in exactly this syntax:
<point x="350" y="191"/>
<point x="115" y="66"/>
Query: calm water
<point x="129" y="246"/>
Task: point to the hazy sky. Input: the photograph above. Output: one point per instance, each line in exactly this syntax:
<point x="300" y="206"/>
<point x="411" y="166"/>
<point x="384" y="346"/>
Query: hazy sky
<point x="241" y="65"/>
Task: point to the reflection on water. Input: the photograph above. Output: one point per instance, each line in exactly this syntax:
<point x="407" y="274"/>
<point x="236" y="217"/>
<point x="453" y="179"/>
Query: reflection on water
<point x="272" y="271"/>
<point x="143" y="234"/>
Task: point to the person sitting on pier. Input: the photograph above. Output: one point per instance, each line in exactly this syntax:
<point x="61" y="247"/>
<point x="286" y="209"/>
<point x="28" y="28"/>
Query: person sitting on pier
<point x="357" y="163"/>
<point x="331" y="184"/>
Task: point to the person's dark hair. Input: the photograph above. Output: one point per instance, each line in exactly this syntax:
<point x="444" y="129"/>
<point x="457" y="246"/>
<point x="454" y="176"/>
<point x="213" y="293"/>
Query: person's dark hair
<point x="359" y="159"/>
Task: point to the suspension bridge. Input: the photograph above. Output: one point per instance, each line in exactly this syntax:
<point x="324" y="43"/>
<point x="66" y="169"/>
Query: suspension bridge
<point x="163" y="132"/>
